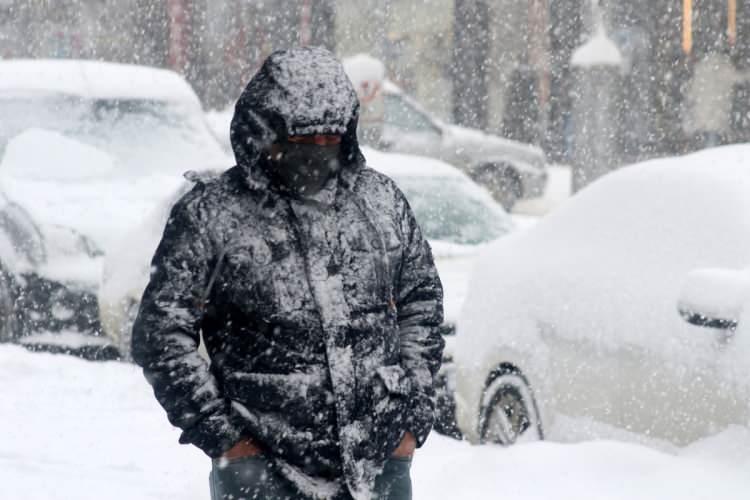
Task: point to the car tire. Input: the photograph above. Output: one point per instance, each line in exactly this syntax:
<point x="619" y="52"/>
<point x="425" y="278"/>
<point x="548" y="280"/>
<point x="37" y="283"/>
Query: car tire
<point x="509" y="413"/>
<point x="8" y="324"/>
<point x="503" y="183"/>
<point x="510" y="190"/>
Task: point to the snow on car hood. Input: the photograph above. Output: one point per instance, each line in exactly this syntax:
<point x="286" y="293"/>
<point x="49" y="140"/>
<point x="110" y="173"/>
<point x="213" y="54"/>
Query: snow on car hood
<point x="64" y="182"/>
<point x="607" y="267"/>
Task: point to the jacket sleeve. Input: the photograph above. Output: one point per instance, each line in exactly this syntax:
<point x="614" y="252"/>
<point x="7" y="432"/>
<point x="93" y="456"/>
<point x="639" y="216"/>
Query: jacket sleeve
<point x="419" y="302"/>
<point x="166" y="335"/>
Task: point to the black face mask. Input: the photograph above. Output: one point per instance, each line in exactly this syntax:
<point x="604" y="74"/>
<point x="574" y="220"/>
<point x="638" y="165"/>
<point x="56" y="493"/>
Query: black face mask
<point x="304" y="169"/>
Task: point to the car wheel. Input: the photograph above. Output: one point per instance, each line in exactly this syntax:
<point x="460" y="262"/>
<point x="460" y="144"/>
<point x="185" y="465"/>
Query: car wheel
<point x="509" y="413"/>
<point x="8" y="331"/>
<point x="510" y="190"/>
<point x="503" y="184"/>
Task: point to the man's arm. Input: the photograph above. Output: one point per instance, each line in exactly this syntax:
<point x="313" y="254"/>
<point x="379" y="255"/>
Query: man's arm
<point x="419" y="300"/>
<point x="166" y="334"/>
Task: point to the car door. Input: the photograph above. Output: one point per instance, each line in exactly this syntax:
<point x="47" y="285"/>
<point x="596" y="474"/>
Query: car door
<point x="668" y="393"/>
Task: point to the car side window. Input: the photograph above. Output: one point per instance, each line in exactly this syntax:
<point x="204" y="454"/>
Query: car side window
<point x="400" y="114"/>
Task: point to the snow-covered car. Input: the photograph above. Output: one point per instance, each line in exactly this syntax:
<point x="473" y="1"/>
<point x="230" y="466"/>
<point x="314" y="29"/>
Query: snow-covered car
<point x="509" y="169"/>
<point x="576" y="317"/>
<point x="456" y="215"/>
<point x="94" y="145"/>
<point x="90" y="148"/>
<point x="47" y="290"/>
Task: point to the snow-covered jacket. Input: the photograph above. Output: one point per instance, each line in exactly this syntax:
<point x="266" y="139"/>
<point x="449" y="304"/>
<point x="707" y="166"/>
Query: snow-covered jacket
<point x="320" y="319"/>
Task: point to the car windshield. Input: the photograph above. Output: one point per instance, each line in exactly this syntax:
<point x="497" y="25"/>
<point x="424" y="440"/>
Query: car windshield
<point x="401" y="114"/>
<point x="454" y="210"/>
<point x="140" y="134"/>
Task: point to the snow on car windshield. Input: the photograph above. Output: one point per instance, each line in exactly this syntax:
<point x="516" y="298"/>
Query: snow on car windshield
<point x="449" y="209"/>
<point x="140" y="134"/>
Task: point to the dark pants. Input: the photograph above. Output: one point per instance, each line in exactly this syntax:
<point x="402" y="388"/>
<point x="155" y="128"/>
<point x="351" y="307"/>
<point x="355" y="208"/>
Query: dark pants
<point x="255" y="478"/>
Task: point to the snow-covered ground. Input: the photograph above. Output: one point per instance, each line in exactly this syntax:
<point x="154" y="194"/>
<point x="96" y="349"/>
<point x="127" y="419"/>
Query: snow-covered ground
<point x="78" y="430"/>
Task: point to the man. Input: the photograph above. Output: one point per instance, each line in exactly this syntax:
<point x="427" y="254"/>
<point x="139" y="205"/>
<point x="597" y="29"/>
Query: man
<point x="316" y="295"/>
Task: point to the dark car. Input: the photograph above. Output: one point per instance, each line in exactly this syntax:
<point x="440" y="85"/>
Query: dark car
<point x="41" y="308"/>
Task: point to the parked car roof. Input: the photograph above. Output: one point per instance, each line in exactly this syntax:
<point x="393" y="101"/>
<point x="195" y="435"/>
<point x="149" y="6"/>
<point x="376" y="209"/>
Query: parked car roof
<point x="94" y="79"/>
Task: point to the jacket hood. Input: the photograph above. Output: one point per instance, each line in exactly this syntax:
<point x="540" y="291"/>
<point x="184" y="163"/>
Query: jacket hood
<point x="300" y="91"/>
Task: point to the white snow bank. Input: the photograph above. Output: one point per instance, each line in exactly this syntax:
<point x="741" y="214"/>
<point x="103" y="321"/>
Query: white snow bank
<point x="601" y="470"/>
<point x="76" y="430"/>
<point x="599" y="50"/>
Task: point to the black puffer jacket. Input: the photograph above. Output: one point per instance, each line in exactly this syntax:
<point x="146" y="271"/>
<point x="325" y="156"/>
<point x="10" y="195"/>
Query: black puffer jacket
<point x="320" y="316"/>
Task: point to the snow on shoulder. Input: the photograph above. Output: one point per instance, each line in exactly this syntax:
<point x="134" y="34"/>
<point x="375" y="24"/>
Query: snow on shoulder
<point x="94" y="79"/>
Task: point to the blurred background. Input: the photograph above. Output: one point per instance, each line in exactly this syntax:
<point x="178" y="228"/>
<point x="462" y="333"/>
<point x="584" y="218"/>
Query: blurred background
<point x="503" y="66"/>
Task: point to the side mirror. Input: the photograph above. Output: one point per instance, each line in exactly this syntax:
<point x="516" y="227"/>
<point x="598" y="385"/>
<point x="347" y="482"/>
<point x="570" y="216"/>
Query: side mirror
<point x="714" y="298"/>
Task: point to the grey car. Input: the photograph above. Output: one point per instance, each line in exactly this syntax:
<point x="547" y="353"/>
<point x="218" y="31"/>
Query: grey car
<point x="510" y="170"/>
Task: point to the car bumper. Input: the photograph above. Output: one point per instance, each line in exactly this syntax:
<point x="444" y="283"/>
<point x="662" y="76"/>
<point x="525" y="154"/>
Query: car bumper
<point x="534" y="182"/>
<point x="76" y="344"/>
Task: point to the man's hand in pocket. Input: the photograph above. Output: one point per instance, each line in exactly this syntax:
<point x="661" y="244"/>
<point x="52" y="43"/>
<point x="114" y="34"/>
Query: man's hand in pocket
<point x="406" y="447"/>
<point x="245" y="448"/>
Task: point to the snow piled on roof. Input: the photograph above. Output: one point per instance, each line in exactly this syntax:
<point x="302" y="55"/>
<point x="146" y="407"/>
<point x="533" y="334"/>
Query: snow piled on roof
<point x="599" y="50"/>
<point x="60" y="181"/>
<point x="37" y="154"/>
<point x="93" y="80"/>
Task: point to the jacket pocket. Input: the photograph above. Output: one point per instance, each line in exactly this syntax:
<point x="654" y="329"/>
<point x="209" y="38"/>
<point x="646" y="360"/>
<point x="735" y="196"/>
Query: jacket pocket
<point x="395" y="380"/>
<point x="287" y="393"/>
